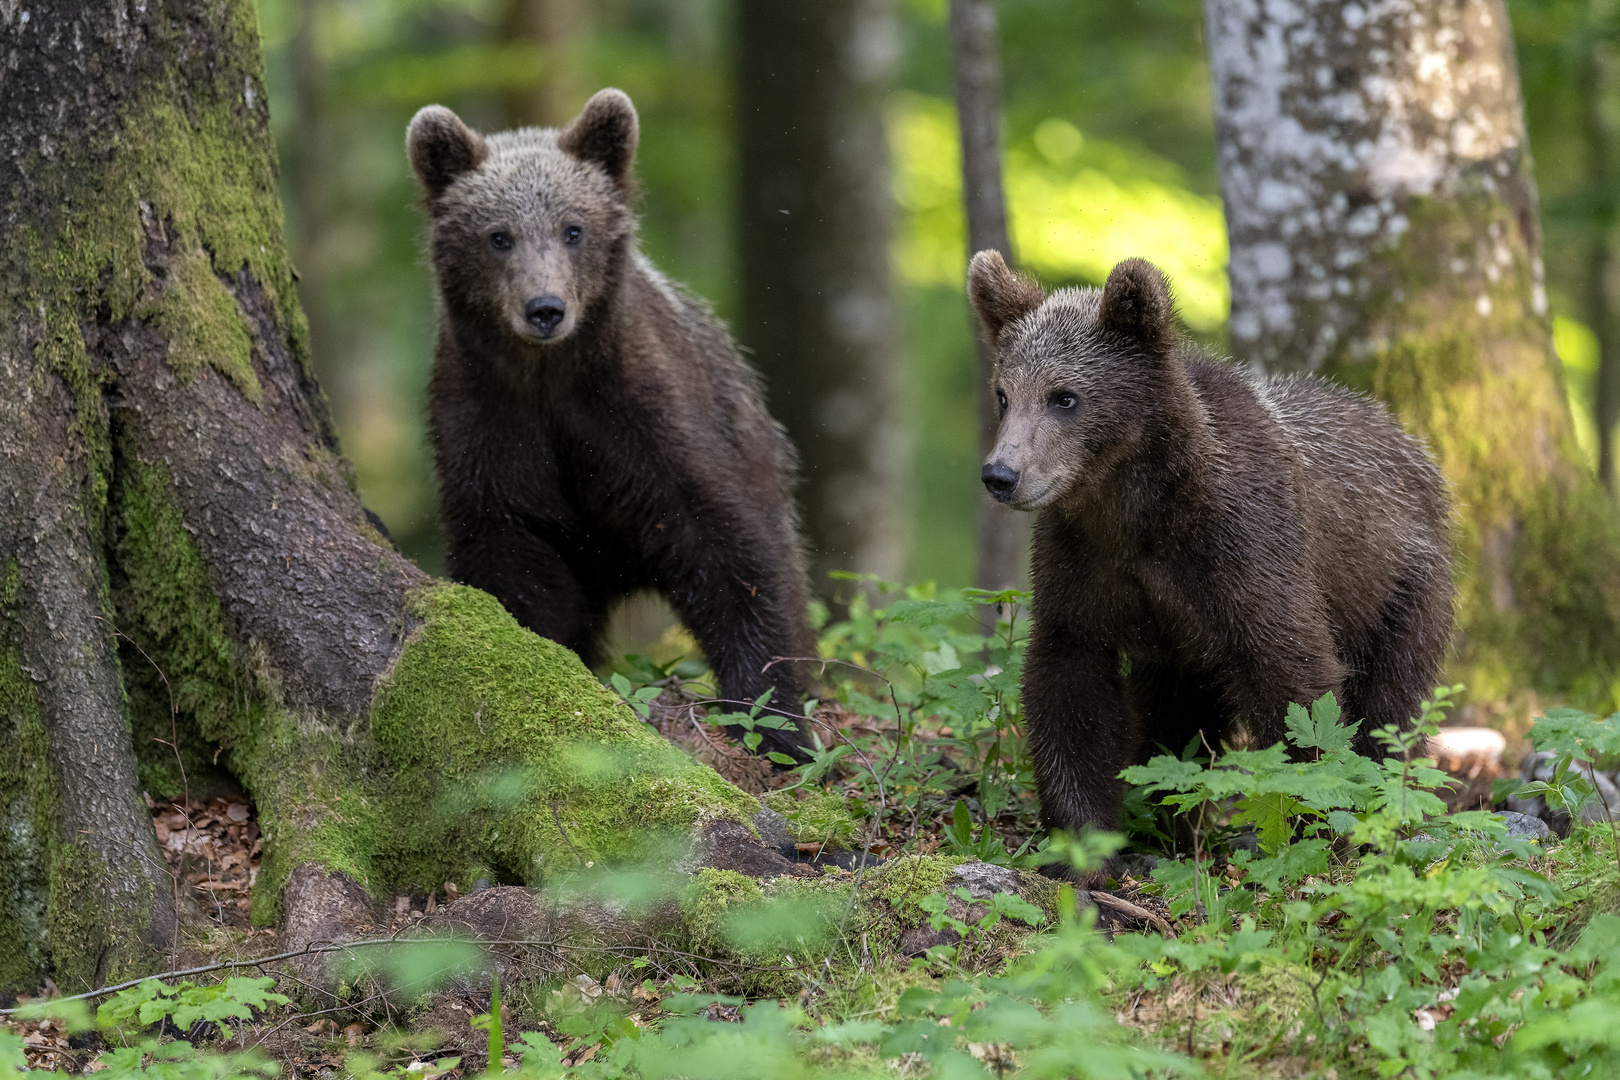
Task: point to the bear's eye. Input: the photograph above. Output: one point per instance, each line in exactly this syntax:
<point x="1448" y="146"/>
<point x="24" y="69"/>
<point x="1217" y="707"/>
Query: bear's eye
<point x="1001" y="400"/>
<point x="500" y="240"/>
<point x="1064" y="400"/>
<point x="572" y="234"/>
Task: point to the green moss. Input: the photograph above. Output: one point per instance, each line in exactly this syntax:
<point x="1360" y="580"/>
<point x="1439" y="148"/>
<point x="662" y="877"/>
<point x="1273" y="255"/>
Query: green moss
<point x="1467" y="363"/>
<point x="79" y="919"/>
<point x="708" y="901"/>
<point x="203" y="325"/>
<point x="514" y="724"/>
<point x="896" y="887"/>
<point x="756" y="937"/>
<point x="196" y="178"/>
<point x="823" y="817"/>
<point x="491" y="752"/>
<point x="186" y="694"/>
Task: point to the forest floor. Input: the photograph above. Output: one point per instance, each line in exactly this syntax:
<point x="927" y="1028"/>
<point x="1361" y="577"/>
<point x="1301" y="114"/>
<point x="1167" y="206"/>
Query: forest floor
<point x="214" y="848"/>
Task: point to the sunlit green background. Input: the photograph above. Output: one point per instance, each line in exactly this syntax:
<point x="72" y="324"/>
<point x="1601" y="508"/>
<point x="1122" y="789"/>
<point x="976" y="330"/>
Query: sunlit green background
<point x="1110" y="153"/>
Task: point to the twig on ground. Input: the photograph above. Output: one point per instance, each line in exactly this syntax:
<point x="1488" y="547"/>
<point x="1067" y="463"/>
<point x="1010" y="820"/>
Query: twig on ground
<point x="1125" y="907"/>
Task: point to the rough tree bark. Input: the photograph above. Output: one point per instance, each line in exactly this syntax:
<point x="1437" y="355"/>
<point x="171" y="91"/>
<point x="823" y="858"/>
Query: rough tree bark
<point x="1003" y="533"/>
<point x="168" y="468"/>
<point x="817" y="309"/>
<point x="1385" y="230"/>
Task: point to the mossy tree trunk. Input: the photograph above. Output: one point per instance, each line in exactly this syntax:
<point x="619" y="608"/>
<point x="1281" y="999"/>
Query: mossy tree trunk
<point x="1385" y="231"/>
<point x="183" y="557"/>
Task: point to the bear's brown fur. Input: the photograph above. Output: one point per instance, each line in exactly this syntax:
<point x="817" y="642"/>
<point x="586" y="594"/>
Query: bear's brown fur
<point x="1211" y="546"/>
<point x="595" y="430"/>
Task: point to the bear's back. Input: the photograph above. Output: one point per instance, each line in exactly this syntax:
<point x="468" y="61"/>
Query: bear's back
<point x="1368" y="502"/>
<point x="1373" y="502"/>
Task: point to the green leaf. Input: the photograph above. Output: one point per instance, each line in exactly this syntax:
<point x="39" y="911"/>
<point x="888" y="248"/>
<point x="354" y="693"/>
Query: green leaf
<point x="1271" y="816"/>
<point x="1320" y="729"/>
<point x="1164" y="773"/>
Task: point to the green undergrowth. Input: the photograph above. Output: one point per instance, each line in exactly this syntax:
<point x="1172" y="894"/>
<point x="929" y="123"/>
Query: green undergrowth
<point x="1330" y="918"/>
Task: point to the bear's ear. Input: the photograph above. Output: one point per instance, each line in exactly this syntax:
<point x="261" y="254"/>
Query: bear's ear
<point x="998" y="295"/>
<point x="442" y="148"/>
<point x="1136" y="304"/>
<point x="605" y="133"/>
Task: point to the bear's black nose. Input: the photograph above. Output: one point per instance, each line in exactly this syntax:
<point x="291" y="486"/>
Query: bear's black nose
<point x="999" y="480"/>
<point x="544" y="313"/>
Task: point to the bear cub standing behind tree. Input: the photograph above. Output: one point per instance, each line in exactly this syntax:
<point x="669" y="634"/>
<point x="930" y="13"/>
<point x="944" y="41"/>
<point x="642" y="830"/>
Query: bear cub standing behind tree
<point x="595" y="430"/>
<point x="1211" y="546"/>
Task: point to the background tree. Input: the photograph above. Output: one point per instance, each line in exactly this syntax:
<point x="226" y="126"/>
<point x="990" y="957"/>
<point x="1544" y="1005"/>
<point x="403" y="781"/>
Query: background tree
<point x="1566" y="53"/>
<point x="557" y="31"/>
<point x="817" y="307"/>
<point x="1384" y="229"/>
<point x="183" y="558"/>
<point x="1003" y="533"/>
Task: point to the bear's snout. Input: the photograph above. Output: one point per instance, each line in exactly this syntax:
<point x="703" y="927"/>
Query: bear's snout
<point x="999" y="480"/>
<point x="544" y="313"/>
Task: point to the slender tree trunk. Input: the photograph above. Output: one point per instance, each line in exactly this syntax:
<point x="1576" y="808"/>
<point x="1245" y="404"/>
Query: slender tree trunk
<point x="557" y="30"/>
<point x="1596" y="84"/>
<point x="168" y="468"/>
<point x="818" y="312"/>
<point x="1003" y="532"/>
<point x="310" y="190"/>
<point x="1384" y="230"/>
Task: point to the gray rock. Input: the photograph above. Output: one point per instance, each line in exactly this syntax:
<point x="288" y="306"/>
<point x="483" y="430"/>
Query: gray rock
<point x="1525" y="827"/>
<point x="1542" y="766"/>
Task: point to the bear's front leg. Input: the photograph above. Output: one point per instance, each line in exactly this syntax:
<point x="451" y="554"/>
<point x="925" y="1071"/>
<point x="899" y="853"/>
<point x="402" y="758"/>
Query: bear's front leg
<point x="531" y="580"/>
<point x="745" y="615"/>
<point x="1081" y="734"/>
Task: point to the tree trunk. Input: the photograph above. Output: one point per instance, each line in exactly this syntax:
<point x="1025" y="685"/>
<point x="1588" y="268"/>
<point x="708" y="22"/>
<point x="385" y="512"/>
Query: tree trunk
<point x="1595" y="87"/>
<point x="168" y="469"/>
<point x="1003" y="531"/>
<point x="556" y="29"/>
<point x="310" y="197"/>
<point x="817" y="307"/>
<point x="1384" y="230"/>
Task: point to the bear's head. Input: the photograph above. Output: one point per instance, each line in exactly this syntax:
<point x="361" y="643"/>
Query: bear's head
<point x="1076" y="374"/>
<point x="530" y="228"/>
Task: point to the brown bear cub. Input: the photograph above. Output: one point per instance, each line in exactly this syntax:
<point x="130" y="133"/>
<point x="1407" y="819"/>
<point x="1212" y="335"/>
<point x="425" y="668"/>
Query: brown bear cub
<point x="1211" y="546"/>
<point x="595" y="430"/>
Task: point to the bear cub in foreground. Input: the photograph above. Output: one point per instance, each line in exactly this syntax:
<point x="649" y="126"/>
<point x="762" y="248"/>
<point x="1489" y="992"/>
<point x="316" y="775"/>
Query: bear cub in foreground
<point x="595" y="430"/>
<point x="1210" y="547"/>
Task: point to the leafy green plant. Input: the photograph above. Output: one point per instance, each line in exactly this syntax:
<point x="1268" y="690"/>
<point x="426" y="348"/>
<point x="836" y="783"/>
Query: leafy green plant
<point x="185" y="1004"/>
<point x="127" y="1015"/>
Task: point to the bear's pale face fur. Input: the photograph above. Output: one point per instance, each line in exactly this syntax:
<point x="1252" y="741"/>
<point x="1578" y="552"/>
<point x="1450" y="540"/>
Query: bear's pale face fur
<point x="530" y="228"/>
<point x="1072" y="377"/>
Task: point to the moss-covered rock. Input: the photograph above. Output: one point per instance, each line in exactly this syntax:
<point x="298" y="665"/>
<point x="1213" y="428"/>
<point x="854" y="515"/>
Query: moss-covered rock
<point x="491" y="752"/>
<point x="817" y="817"/>
<point x="759" y="936"/>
